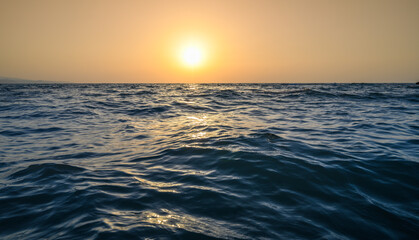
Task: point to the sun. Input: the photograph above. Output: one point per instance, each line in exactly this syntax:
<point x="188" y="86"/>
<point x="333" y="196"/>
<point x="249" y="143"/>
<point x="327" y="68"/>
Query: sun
<point x="192" y="55"/>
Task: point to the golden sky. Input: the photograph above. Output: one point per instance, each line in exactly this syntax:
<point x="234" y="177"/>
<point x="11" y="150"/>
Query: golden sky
<point x="240" y="40"/>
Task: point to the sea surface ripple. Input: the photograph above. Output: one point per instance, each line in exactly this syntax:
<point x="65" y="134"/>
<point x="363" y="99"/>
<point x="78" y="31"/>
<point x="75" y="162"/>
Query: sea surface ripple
<point x="216" y="161"/>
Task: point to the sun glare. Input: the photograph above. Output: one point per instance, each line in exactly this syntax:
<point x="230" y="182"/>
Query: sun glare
<point x="192" y="55"/>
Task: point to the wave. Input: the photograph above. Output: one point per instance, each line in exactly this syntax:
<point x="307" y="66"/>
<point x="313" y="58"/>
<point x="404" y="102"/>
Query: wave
<point x="212" y="161"/>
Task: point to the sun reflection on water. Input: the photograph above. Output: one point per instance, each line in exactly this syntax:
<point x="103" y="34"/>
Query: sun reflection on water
<point x="171" y="220"/>
<point x="158" y="186"/>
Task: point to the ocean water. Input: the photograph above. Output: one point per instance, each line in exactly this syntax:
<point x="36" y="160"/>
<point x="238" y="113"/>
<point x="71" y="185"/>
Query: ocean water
<point x="216" y="161"/>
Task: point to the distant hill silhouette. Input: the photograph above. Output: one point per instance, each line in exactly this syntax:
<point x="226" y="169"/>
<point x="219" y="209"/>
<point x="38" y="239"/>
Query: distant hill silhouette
<point x="8" y="80"/>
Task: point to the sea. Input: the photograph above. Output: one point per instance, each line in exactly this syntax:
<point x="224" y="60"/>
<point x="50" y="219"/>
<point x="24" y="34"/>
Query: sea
<point x="209" y="161"/>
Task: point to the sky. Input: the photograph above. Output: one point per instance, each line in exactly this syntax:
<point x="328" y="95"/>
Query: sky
<point x="259" y="41"/>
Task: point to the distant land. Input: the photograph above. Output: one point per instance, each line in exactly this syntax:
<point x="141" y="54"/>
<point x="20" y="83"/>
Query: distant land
<point x="12" y="80"/>
<point x="9" y="80"/>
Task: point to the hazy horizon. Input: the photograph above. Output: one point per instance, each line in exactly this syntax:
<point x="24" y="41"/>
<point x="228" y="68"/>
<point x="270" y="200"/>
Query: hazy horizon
<point x="11" y="80"/>
<point x="240" y="41"/>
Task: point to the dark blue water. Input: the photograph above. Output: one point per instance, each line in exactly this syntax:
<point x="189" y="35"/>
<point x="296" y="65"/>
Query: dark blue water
<point x="252" y="161"/>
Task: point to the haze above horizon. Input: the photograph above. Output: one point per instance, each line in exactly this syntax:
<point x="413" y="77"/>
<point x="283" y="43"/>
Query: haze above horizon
<point x="210" y="41"/>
